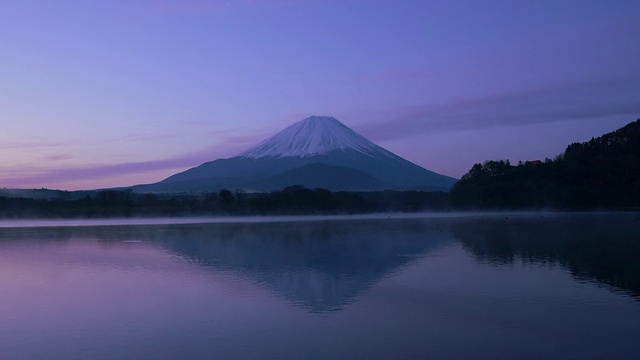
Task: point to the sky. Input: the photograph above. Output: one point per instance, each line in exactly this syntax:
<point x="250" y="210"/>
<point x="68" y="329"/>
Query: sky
<point x="97" y="94"/>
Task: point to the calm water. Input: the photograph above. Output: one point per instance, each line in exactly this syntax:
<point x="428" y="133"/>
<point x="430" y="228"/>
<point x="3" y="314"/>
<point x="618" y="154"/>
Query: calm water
<point x="485" y="287"/>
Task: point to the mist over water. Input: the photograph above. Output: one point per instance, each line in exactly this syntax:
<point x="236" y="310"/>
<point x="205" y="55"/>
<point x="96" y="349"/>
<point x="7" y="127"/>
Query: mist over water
<point x="479" y="287"/>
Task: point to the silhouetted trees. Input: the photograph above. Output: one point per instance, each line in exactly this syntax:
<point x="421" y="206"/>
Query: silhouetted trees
<point x="603" y="173"/>
<point x="290" y="200"/>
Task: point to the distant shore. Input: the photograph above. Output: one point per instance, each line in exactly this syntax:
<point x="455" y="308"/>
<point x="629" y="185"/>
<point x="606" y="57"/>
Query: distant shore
<point x="154" y="221"/>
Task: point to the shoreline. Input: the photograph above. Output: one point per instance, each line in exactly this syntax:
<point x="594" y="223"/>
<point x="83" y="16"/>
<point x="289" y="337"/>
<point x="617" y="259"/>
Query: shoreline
<point x="191" y="220"/>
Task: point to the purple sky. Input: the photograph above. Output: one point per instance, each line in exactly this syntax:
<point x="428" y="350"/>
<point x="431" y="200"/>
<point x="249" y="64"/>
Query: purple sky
<point x="113" y="93"/>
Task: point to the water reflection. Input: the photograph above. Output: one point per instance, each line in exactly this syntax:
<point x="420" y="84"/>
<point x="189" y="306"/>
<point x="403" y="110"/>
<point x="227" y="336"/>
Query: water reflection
<point x="318" y="266"/>
<point x="323" y="266"/>
<point x="482" y="288"/>
<point x="602" y="248"/>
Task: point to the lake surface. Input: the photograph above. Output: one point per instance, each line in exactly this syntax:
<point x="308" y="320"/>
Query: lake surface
<point x="505" y="286"/>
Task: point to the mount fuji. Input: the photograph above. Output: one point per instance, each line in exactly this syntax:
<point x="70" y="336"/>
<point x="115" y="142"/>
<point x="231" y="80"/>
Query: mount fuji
<point x="317" y="152"/>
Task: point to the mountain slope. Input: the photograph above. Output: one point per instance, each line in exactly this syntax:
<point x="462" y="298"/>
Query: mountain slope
<point x="337" y="178"/>
<point x="313" y="141"/>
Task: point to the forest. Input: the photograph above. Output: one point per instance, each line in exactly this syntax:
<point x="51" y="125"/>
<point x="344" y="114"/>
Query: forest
<point x="600" y="174"/>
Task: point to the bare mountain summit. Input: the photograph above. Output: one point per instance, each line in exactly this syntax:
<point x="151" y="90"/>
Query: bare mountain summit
<point x="315" y="152"/>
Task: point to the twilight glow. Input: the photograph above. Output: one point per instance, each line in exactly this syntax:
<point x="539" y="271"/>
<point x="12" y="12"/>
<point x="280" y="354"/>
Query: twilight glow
<point x="114" y="93"/>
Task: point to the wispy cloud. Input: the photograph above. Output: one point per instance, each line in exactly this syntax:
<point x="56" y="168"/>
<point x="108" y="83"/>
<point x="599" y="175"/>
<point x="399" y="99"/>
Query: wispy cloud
<point x="29" y="176"/>
<point x="138" y="137"/>
<point x="99" y="171"/>
<point x="34" y="143"/>
<point x="579" y="101"/>
<point x="58" y="157"/>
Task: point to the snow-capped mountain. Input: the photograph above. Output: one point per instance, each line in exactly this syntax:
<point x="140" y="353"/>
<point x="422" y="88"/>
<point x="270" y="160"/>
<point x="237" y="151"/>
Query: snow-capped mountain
<point x="315" y="135"/>
<point x="315" y="152"/>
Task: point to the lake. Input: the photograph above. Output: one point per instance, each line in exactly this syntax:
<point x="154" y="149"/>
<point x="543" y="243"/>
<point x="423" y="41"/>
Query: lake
<point x="474" y="286"/>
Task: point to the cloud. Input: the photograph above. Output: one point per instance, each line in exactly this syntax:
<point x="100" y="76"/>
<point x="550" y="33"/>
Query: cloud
<point x="33" y="144"/>
<point x="58" y="157"/>
<point x="101" y="171"/>
<point x="138" y="137"/>
<point x="38" y="178"/>
<point x="579" y="101"/>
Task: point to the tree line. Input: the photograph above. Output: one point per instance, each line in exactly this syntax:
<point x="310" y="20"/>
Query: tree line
<point x="288" y="201"/>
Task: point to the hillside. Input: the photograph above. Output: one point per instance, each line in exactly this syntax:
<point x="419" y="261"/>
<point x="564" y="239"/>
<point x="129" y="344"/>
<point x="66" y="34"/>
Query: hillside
<point x="603" y="173"/>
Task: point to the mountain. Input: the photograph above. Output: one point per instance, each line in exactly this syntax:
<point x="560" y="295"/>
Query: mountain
<point x="319" y="175"/>
<point x="313" y="136"/>
<point x="315" y="152"/>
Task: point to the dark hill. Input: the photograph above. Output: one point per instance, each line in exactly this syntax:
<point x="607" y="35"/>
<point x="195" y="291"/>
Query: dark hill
<point x="603" y="173"/>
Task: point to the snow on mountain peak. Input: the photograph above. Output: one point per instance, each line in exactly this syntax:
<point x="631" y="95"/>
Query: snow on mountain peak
<point x="314" y="135"/>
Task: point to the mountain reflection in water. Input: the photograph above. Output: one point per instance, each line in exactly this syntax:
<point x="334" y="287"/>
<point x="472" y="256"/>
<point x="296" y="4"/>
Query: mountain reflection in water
<point x="323" y="266"/>
<point x="518" y="286"/>
<point x="317" y="266"/>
